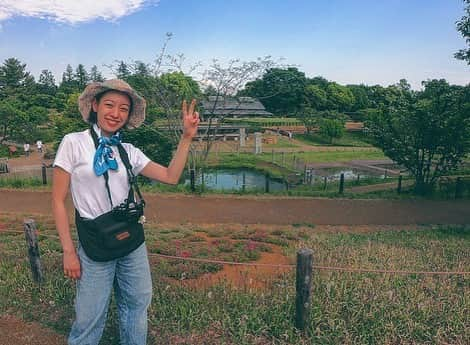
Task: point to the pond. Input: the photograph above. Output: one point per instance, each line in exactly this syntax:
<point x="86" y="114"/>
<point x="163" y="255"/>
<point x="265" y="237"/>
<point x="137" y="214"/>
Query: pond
<point x="235" y="179"/>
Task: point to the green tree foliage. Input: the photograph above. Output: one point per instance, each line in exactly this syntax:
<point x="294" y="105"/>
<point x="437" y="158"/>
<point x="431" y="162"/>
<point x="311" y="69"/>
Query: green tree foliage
<point x="9" y="115"/>
<point x="316" y="97"/>
<point x="280" y="90"/>
<point x="361" y="101"/>
<point x="427" y="132"/>
<point x="95" y="74"/>
<point x="331" y="129"/>
<point x="14" y="79"/>
<point x="463" y="26"/>
<point x="69" y="120"/>
<point x="123" y="71"/>
<point x="156" y="145"/>
<point x="339" y="97"/>
<point x="81" y="77"/>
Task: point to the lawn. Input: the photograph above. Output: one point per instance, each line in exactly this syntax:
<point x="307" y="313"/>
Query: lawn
<point x="189" y="307"/>
<point x="348" y="139"/>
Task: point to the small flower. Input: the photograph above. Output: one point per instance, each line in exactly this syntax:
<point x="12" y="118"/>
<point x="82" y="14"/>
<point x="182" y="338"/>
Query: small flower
<point x="185" y="254"/>
<point x="209" y="294"/>
<point x="251" y="245"/>
<point x="142" y="219"/>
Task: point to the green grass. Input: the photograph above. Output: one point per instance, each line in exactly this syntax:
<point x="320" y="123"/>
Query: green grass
<point x="21" y="183"/>
<point x="347" y="308"/>
<point x="328" y="156"/>
<point x="348" y="139"/>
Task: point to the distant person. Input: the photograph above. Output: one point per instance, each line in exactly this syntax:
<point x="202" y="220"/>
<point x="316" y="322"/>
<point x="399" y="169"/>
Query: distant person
<point x="26" y="149"/>
<point x="99" y="172"/>
<point x="39" y="146"/>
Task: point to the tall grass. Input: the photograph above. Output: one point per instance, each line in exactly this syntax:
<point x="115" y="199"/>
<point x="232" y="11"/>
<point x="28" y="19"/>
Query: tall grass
<point x="347" y="308"/>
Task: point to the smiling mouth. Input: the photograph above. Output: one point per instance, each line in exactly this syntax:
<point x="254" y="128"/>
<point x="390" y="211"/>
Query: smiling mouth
<point x="113" y="122"/>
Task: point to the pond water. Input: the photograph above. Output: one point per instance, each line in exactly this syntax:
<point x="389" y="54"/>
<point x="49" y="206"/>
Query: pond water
<point x="234" y="179"/>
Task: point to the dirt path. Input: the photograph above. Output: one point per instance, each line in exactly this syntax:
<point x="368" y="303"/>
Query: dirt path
<point x="268" y="210"/>
<point x="14" y="331"/>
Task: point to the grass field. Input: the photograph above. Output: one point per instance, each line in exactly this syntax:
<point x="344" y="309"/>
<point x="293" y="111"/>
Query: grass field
<point x="347" y="308"/>
<point x="348" y="139"/>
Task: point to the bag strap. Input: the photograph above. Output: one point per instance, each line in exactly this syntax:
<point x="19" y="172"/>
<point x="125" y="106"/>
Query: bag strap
<point x="130" y="175"/>
<point x="132" y="178"/>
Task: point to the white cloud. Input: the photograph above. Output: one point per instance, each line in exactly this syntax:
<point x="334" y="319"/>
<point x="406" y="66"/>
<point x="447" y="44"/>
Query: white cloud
<point x="71" y="11"/>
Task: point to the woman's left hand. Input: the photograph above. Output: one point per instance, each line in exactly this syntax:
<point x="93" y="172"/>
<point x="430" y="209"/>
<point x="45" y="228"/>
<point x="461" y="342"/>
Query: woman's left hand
<point x="190" y="119"/>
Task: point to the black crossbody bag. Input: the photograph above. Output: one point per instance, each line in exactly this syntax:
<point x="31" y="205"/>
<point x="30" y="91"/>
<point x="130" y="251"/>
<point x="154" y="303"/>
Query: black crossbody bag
<point x="118" y="232"/>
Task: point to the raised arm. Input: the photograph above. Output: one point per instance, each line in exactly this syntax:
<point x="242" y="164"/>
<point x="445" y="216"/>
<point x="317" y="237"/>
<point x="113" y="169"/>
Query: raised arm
<point x="172" y="173"/>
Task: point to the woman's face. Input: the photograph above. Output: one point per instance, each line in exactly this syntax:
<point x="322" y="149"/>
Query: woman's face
<point x="112" y="112"/>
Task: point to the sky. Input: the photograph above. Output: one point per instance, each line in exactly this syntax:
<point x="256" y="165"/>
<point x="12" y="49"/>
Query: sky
<point x="347" y="41"/>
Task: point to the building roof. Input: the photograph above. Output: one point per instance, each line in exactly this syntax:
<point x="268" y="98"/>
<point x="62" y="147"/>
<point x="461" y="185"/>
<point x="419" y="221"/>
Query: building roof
<point x="234" y="106"/>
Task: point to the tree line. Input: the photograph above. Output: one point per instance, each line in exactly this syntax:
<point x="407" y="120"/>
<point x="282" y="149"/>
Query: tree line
<point x="426" y="131"/>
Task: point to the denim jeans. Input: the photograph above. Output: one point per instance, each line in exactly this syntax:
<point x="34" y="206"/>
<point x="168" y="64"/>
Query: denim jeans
<point x="130" y="277"/>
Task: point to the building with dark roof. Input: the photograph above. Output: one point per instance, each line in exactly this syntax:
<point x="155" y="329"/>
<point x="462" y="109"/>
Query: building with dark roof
<point x="219" y="106"/>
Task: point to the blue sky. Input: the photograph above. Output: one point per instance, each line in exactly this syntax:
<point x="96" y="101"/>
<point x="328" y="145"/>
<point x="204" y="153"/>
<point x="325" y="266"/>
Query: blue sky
<point x="351" y="42"/>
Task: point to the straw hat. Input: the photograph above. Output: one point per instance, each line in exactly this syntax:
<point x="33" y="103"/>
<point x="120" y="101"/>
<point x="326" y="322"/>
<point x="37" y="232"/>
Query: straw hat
<point x="85" y="101"/>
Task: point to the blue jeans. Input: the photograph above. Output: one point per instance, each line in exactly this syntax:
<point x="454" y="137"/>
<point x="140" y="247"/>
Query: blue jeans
<point x="130" y="277"/>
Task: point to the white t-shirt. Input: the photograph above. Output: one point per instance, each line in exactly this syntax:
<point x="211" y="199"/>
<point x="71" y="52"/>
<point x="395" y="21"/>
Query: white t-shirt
<point x="75" y="155"/>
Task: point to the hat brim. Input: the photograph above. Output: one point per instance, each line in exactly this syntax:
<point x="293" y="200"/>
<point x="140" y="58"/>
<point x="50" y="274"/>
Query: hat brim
<point x="85" y="101"/>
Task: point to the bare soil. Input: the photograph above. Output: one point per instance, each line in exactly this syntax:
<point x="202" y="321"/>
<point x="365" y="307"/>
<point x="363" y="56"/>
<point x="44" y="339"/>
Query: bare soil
<point x="213" y="209"/>
<point x="14" y="331"/>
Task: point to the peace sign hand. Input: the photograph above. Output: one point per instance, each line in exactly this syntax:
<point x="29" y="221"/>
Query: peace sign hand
<point x="190" y="119"/>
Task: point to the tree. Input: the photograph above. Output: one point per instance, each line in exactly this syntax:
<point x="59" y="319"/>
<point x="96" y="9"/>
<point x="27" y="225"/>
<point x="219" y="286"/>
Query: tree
<point x="361" y="101"/>
<point x="155" y="144"/>
<point x="69" y="120"/>
<point x="9" y="114"/>
<point x="280" y="90"/>
<point x="339" y="97"/>
<point x="310" y="118"/>
<point x="331" y="129"/>
<point x="95" y="75"/>
<point x="68" y="84"/>
<point x="427" y="132"/>
<point x="316" y="97"/>
<point x="81" y="77"/>
<point x="46" y="83"/>
<point x="463" y="26"/>
<point x="123" y="71"/>
<point x="13" y="78"/>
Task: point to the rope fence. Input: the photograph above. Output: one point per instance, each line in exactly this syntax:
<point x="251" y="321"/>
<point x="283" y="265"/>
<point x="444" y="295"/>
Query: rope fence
<point x="286" y="266"/>
<point x="304" y="269"/>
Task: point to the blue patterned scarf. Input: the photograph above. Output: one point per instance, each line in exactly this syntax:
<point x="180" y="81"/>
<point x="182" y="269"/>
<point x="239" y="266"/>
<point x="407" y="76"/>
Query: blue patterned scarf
<point x="104" y="157"/>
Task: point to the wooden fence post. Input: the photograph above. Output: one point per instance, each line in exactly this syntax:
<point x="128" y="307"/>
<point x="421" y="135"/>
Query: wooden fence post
<point x="303" y="287"/>
<point x="243" y="182"/>
<point x="266" y="183"/>
<point x="202" y="180"/>
<point x="341" y="184"/>
<point x="33" y="249"/>
<point x="192" y="180"/>
<point x="44" y="175"/>
<point x="399" y="184"/>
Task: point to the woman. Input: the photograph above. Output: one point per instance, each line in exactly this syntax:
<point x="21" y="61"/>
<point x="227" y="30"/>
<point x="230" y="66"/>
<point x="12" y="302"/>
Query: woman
<point x="80" y="162"/>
